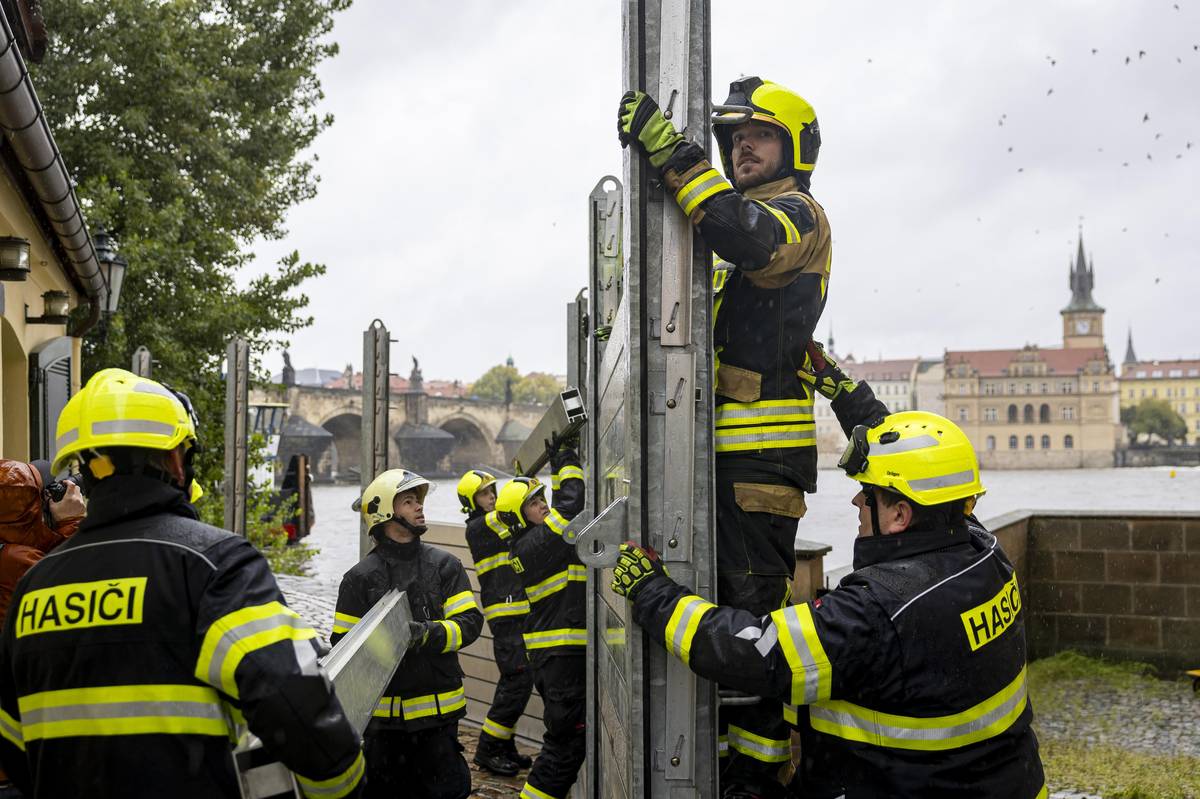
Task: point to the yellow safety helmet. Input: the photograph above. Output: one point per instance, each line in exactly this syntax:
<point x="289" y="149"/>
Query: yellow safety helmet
<point x="119" y="409"/>
<point x="471" y="484"/>
<point x="921" y="455"/>
<point x="776" y="105"/>
<point x="376" y="502"/>
<point x="510" y="502"/>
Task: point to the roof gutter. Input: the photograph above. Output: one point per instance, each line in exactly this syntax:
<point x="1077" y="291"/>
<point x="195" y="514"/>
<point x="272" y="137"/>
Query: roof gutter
<point x="24" y="125"/>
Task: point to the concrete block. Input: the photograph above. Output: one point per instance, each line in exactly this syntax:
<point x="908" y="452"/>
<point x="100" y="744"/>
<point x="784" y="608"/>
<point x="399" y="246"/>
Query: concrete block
<point x="1138" y="632"/>
<point x="1052" y="597"/>
<point x="1182" y="635"/>
<point x="1086" y="630"/>
<point x="1106" y="534"/>
<point x="1157" y="535"/>
<point x="1053" y="533"/>
<point x="1106" y="598"/>
<point x="1180" y="568"/>
<point x="1041" y="633"/>
<point x="1159" y="600"/>
<point x="1193" y="601"/>
<point x="1041" y="565"/>
<point x="1191" y="536"/>
<point x="1131" y="567"/>
<point x="1080" y="567"/>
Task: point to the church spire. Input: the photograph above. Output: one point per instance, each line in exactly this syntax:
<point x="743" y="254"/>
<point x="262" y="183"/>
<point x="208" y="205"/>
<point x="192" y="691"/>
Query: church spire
<point x="1129" y="356"/>
<point x="1082" y="278"/>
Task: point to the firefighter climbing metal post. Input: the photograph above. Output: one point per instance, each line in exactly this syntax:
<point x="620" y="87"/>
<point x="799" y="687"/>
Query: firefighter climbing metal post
<point x="649" y="390"/>
<point x="376" y="394"/>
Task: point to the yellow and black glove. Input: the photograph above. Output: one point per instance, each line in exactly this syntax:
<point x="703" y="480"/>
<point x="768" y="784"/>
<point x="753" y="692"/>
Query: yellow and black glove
<point x="635" y="566"/>
<point x="823" y="374"/>
<point x="639" y="120"/>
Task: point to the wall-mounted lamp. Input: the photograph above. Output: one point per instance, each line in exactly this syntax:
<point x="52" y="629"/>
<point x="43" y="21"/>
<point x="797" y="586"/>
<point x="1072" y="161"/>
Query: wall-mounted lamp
<point x="56" y="309"/>
<point x="113" y="266"/>
<point x="14" y="258"/>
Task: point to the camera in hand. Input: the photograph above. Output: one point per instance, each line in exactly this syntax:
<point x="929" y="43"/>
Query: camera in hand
<point x="56" y="490"/>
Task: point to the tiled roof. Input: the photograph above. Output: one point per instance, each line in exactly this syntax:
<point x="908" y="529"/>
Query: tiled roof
<point x="874" y="371"/>
<point x="1161" y="369"/>
<point x="994" y="363"/>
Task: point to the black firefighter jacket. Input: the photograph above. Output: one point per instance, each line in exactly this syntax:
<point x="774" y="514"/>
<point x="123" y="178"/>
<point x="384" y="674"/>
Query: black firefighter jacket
<point x="128" y="649"/>
<point x="427" y="689"/>
<point x="554" y="577"/>
<point x="500" y="589"/>
<point x="774" y="251"/>
<point x="913" y="668"/>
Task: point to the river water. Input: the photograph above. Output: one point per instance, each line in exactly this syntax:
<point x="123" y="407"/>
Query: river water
<point x="830" y="517"/>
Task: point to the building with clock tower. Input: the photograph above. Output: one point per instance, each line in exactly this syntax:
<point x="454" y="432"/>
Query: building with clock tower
<point x="1083" y="319"/>
<point x="1041" y="407"/>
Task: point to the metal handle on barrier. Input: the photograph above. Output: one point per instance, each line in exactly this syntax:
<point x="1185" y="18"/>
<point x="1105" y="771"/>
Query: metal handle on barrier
<point x="744" y="114"/>
<point x="599" y="541"/>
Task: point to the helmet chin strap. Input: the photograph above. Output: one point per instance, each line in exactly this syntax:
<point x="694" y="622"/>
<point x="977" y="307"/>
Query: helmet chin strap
<point x="873" y="504"/>
<point x="417" y="530"/>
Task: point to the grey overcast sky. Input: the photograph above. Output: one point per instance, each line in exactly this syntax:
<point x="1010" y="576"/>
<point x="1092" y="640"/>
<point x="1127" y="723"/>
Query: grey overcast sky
<point x="963" y="143"/>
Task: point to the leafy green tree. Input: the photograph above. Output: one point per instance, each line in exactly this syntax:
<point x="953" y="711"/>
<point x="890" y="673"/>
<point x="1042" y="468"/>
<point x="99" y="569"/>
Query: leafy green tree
<point x="1156" y="417"/>
<point x="185" y="124"/>
<point x="1129" y="419"/>
<point x="536" y="387"/>
<point x="496" y="383"/>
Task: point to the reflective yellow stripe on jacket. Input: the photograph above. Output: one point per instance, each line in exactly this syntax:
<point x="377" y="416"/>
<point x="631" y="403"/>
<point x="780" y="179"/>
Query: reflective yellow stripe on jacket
<point x="556" y="521"/>
<point x="566" y="636"/>
<point x="237" y="634"/>
<point x="707" y="184"/>
<point x="556" y="582"/>
<point x="798" y="639"/>
<point x="498" y="527"/>
<point x="530" y="792"/>
<point x="453" y="635"/>
<point x="494" y="562"/>
<point x="768" y="750"/>
<point x="565" y="473"/>
<point x="10" y="730"/>
<point x="498" y="730"/>
<point x="459" y="603"/>
<point x="335" y="787"/>
<point x="419" y="707"/>
<point x="123" y="710"/>
<point x="502" y="609"/>
<point x="344" y="622"/>
<point x="682" y="626"/>
<point x="985" y="720"/>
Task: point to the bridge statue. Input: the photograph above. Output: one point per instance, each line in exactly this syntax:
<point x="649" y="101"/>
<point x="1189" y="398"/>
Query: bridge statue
<point x="415" y="381"/>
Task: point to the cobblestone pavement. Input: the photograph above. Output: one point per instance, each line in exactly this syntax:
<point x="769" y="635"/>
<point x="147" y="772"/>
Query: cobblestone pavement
<point x="1163" y="722"/>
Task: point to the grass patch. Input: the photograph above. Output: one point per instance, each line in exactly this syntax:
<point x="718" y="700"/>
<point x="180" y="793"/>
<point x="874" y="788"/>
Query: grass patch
<point x="1065" y="690"/>
<point x="1116" y="773"/>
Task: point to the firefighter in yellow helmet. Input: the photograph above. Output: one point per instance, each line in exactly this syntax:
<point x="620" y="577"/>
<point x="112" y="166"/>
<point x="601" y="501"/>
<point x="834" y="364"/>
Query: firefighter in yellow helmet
<point x="505" y="608"/>
<point x="555" y="581"/>
<point x="913" y="669"/>
<point x="773" y="249"/>
<point x="412" y="741"/>
<point x="127" y="646"/>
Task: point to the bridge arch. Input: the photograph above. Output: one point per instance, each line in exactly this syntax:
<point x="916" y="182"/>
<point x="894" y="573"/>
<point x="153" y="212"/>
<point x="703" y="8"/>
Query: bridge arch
<point x="472" y="447"/>
<point x="343" y="460"/>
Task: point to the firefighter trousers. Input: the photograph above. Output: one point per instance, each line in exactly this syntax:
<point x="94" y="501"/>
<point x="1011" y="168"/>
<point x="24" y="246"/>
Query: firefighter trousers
<point x="427" y="764"/>
<point x="561" y="682"/>
<point x="516" y="681"/>
<point x="755" y="741"/>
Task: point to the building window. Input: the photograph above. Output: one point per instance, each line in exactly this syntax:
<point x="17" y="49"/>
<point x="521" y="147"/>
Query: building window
<point x="962" y="414"/>
<point x="1131" y="393"/>
<point x="1029" y="388"/>
<point x="991" y="440"/>
<point x="1012" y="442"/>
<point x="1012" y="388"/>
<point x="1028" y="442"/>
<point x="1044" y="414"/>
<point x="1068" y="413"/>
<point x="1029" y="414"/>
<point x="1169" y="393"/>
<point x="1068" y="442"/>
<point x="1012" y="414"/>
<point x="1067" y="388"/>
<point x="1045" y="388"/>
<point x="1154" y="392"/>
<point x="989" y="388"/>
<point x="989" y="414"/>
<point x="1045" y="442"/>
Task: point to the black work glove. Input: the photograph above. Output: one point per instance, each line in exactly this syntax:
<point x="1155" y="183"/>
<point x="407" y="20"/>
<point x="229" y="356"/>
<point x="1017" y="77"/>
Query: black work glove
<point x="419" y="631"/>
<point x="635" y="567"/>
<point x="825" y="375"/>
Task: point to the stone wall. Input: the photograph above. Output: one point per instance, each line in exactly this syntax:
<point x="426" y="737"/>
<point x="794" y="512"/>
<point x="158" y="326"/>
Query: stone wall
<point x="1123" y="585"/>
<point x="1158" y="456"/>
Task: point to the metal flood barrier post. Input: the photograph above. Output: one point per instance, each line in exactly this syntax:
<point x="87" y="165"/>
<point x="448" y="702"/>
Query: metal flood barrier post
<point x="651" y="722"/>
<point x="360" y="667"/>
<point x="141" y="364"/>
<point x="237" y="419"/>
<point x="376" y="394"/>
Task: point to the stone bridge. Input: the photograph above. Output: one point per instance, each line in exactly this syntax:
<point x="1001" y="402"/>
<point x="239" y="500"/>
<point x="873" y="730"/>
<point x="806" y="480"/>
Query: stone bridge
<point x="431" y="434"/>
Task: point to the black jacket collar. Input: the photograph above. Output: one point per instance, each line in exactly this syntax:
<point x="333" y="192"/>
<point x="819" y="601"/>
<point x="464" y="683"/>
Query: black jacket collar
<point x="393" y="550"/>
<point x="123" y="497"/>
<point x="874" y="549"/>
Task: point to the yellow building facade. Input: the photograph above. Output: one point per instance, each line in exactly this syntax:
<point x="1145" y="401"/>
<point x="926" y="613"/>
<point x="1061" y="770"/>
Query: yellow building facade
<point x="1176" y="382"/>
